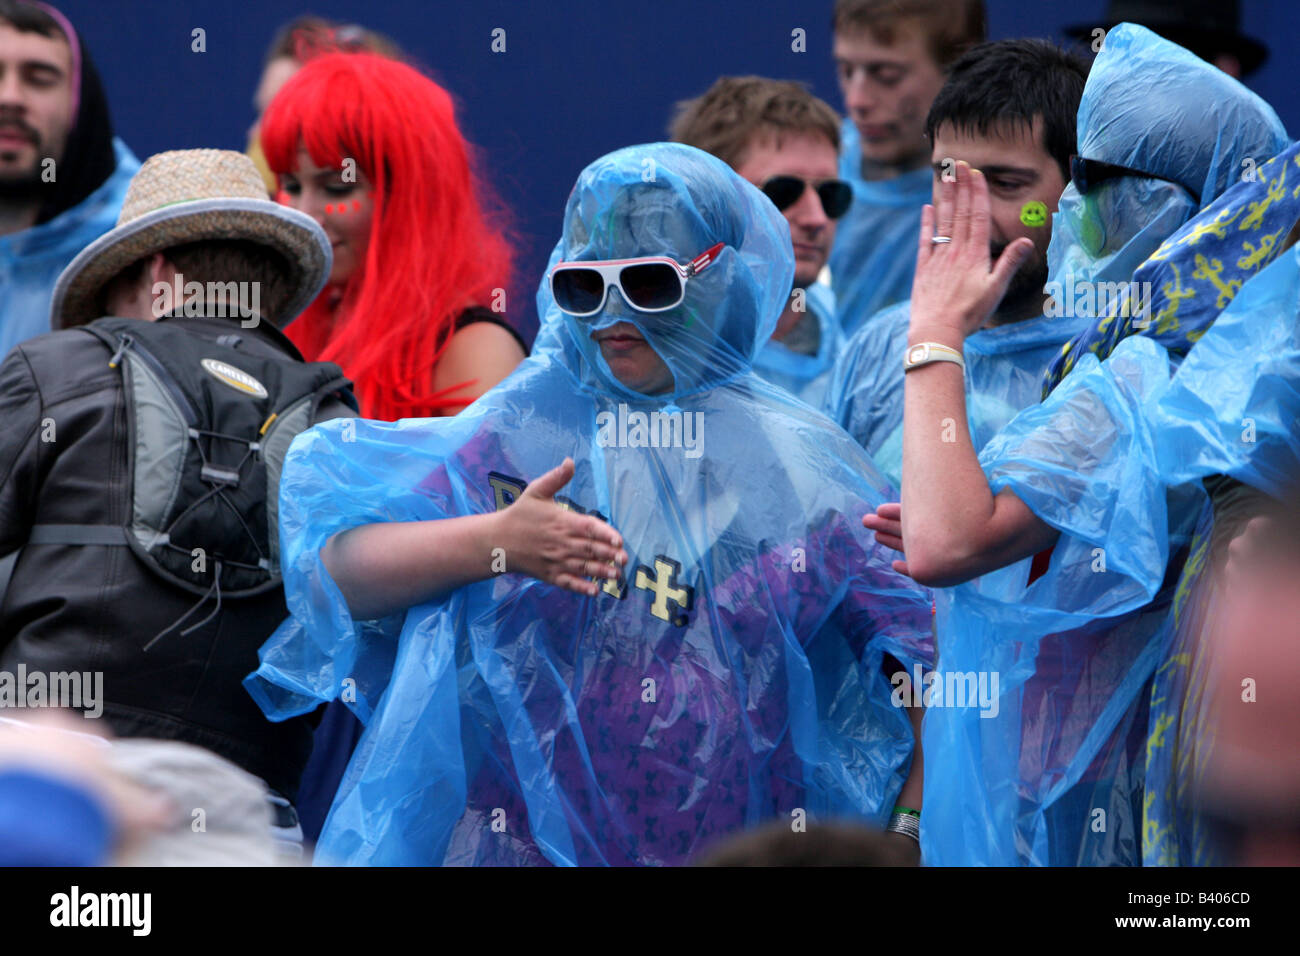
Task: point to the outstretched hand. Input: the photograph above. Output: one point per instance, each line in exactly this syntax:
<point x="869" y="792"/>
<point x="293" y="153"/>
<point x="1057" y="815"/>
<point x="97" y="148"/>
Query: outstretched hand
<point x="549" y="542"/>
<point x="955" y="287"/>
<point x="887" y="523"/>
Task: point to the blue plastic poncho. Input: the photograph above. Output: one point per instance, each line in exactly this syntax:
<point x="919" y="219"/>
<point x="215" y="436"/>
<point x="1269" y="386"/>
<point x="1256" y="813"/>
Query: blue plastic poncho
<point x="1004" y="372"/>
<point x="1194" y="127"/>
<point x="1197" y="271"/>
<point x="1056" y="777"/>
<point x="1230" y="409"/>
<point x="874" y="254"/>
<point x="1233" y="405"/>
<point x="31" y="260"/>
<point x="807" y="377"/>
<point x="732" y="676"/>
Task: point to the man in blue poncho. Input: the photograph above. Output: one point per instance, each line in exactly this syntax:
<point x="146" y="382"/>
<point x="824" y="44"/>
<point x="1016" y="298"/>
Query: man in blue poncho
<point x="1226" y="420"/>
<point x="63" y="174"/>
<point x="1009" y="109"/>
<point x="731" y="675"/>
<point x="1076" y="633"/>
<point x="890" y="57"/>
<point x="785" y="141"/>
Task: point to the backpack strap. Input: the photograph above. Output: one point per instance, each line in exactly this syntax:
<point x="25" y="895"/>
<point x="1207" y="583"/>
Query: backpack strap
<point x="106" y="534"/>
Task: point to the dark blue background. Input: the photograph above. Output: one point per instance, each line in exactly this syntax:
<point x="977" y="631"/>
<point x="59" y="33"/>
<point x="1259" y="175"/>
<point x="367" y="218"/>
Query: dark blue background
<point x="578" y="78"/>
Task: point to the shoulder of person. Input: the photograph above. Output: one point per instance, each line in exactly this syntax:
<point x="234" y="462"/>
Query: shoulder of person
<point x="476" y="329"/>
<point x="67" y="360"/>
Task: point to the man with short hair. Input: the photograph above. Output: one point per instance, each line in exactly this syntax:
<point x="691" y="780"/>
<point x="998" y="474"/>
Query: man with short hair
<point x="891" y="57"/>
<point x="1054" y="554"/>
<point x="62" y="172"/>
<point x="139" y="463"/>
<point x="785" y="141"/>
<point x="1009" y="109"/>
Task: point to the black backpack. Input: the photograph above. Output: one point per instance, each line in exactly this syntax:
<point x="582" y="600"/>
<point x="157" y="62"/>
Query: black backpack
<point x="209" y="425"/>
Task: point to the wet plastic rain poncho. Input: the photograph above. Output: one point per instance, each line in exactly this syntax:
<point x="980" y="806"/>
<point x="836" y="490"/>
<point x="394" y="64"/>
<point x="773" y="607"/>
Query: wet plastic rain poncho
<point x="1056" y="778"/>
<point x="807" y="377"/>
<point x="31" y="260"/>
<point x="733" y="676"/>
<point x="1004" y="373"/>
<point x="874" y="255"/>
<point x="1197" y="152"/>
<point x="1230" y="409"/>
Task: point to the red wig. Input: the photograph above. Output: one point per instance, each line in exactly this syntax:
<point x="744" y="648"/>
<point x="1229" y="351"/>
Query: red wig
<point x="433" y="250"/>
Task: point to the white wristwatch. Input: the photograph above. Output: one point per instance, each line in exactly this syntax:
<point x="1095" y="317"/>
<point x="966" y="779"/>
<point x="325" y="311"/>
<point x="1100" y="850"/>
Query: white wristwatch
<point x="924" y="353"/>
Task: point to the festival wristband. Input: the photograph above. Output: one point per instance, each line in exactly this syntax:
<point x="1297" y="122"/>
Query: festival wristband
<point x="926" y="353"/>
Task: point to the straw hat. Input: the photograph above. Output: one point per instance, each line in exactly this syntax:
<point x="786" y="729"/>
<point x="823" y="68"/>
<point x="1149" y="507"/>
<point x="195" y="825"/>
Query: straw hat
<point x="191" y="195"/>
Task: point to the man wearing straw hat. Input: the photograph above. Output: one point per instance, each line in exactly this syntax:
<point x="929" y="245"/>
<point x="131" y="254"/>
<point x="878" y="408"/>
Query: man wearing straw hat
<point x="139" y="465"/>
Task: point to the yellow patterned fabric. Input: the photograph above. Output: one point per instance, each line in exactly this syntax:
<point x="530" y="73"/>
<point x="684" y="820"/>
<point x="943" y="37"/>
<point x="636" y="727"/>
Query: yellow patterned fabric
<point x="1180" y="290"/>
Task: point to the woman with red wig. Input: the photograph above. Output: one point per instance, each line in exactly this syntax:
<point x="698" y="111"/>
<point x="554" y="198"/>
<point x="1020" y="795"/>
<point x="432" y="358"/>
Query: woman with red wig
<point x="370" y="149"/>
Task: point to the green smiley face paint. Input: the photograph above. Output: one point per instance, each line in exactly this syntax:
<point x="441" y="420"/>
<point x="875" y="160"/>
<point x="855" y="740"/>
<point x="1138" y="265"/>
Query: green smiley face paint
<point x="1033" y="213"/>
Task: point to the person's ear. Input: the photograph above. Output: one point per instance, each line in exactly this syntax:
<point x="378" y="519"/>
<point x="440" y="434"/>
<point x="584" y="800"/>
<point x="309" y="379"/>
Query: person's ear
<point x="159" y="270"/>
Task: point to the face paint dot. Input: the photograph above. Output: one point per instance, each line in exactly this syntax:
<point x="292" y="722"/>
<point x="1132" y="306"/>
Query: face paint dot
<point x="1033" y="213"/>
<point x="356" y="205"/>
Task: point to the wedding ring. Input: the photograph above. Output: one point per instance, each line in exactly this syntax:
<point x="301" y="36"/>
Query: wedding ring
<point x="939" y="240"/>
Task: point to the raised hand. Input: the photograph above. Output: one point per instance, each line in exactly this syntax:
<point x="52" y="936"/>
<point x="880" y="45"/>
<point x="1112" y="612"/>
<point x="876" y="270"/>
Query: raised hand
<point x="553" y="544"/>
<point x="955" y="289"/>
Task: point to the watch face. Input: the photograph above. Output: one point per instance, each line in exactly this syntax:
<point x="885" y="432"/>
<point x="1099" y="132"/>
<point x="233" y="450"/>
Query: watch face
<point x="916" y="354"/>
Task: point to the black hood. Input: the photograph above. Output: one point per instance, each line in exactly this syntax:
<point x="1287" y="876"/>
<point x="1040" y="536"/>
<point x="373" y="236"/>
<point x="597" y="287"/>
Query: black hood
<point x="88" y="157"/>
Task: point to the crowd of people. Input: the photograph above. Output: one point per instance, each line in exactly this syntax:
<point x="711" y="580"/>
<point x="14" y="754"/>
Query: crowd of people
<point x="912" y="487"/>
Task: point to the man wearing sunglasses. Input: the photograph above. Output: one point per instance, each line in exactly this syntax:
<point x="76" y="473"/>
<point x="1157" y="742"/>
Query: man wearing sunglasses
<point x="1008" y="108"/>
<point x="785" y="141"/>
<point x="1054" y="552"/>
<point x="890" y="58"/>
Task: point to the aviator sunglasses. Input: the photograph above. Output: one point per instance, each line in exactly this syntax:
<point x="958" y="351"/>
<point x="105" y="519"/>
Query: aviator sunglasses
<point x="648" y="284"/>
<point x="835" y="194"/>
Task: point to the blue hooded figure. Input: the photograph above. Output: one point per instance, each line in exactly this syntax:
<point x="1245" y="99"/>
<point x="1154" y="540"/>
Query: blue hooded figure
<point x="1227" y="418"/>
<point x="1201" y="426"/>
<point x="733" y="675"/>
<point x="1076" y="633"/>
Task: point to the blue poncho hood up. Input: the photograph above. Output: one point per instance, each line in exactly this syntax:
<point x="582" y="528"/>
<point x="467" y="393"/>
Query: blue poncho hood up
<point x="733" y="676"/>
<point x="1056" y="778"/>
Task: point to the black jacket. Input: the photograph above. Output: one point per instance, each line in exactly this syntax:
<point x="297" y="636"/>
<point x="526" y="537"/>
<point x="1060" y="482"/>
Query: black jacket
<point x="63" y="460"/>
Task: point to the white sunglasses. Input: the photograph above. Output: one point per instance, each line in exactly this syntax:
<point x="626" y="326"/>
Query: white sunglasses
<point x="649" y="284"/>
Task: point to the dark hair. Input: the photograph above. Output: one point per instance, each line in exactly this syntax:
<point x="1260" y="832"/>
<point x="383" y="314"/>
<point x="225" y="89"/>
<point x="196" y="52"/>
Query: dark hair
<point x="26" y="18"/>
<point x="951" y="27"/>
<point x="1011" y="82"/>
<point x="736" y="109"/>
<point x="222" y="261"/>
